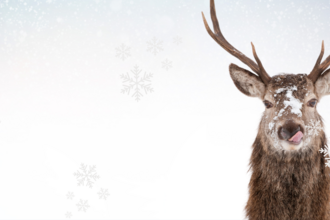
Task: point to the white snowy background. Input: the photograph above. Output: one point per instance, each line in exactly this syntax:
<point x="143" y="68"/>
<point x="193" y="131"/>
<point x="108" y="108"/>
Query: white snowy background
<point x="182" y="150"/>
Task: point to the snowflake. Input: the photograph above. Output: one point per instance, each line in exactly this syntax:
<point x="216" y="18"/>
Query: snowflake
<point x="103" y="194"/>
<point x="82" y="205"/>
<point x="177" y="40"/>
<point x="154" y="46"/>
<point x="86" y="175"/>
<point x="167" y="64"/>
<point x="49" y="1"/>
<point x="123" y="52"/>
<point x="325" y="151"/>
<point x="313" y="127"/>
<point x="327" y="164"/>
<point x="69" y="195"/>
<point x="136" y="83"/>
<point x="68" y="214"/>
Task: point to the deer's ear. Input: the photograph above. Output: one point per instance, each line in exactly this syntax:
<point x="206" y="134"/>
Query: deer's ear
<point x="322" y="85"/>
<point x="247" y="82"/>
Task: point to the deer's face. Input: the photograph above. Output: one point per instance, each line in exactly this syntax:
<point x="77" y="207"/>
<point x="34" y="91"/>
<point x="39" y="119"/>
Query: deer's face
<point x="290" y="112"/>
<point x="290" y="121"/>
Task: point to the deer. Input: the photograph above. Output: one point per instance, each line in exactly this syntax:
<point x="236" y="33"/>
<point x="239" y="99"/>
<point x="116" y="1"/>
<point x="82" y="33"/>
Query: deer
<point x="289" y="176"/>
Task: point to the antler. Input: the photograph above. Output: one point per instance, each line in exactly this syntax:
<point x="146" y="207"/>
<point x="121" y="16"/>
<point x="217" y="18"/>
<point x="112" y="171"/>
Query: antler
<point x="219" y="38"/>
<point x="319" y="68"/>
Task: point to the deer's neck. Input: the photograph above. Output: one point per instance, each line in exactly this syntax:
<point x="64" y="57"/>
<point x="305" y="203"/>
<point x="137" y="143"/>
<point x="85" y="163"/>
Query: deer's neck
<point x="288" y="189"/>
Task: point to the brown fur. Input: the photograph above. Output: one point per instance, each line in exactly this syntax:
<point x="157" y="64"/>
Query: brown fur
<point x="288" y="185"/>
<point x="290" y="180"/>
<point x="296" y="189"/>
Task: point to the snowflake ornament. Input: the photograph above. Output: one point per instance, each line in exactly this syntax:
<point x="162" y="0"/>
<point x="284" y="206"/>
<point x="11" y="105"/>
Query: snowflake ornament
<point x="137" y="83"/>
<point x="123" y="52"/>
<point x="327" y="164"/>
<point x="86" y="176"/>
<point x="82" y="205"/>
<point x="167" y="64"/>
<point x="177" y="40"/>
<point x="70" y="195"/>
<point x="325" y="151"/>
<point x="68" y="214"/>
<point x="154" y="46"/>
<point x="103" y="194"/>
<point x="314" y="127"/>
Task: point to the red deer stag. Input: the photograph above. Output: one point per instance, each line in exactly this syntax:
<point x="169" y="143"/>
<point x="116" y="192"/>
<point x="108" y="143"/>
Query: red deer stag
<point x="290" y="180"/>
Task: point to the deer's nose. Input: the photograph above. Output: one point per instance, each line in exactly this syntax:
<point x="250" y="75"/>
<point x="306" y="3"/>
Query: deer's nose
<point x="288" y="131"/>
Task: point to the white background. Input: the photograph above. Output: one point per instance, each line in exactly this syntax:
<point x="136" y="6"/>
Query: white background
<point x="182" y="151"/>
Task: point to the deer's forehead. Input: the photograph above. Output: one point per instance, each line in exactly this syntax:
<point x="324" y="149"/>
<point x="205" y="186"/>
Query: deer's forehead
<point x="284" y="85"/>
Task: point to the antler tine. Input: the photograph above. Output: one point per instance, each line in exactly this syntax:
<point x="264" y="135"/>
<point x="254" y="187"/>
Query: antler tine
<point x="316" y="71"/>
<point x="214" y="19"/>
<point x="319" y="67"/>
<point x="219" y="38"/>
<point x="263" y="74"/>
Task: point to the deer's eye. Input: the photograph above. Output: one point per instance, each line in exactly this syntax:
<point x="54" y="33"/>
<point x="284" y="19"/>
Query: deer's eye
<point x="312" y="103"/>
<point x="268" y="104"/>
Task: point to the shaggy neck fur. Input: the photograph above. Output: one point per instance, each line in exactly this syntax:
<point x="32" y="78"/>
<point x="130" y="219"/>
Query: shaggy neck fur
<point x="288" y="189"/>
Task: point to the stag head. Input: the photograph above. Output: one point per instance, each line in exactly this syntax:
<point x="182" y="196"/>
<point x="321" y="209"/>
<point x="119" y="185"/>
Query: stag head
<point x="290" y="124"/>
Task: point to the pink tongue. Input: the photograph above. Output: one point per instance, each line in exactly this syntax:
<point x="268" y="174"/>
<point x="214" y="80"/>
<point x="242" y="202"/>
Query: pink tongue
<point x="297" y="137"/>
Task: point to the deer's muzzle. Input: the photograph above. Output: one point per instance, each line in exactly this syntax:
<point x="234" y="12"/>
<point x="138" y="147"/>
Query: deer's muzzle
<point x="291" y="132"/>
